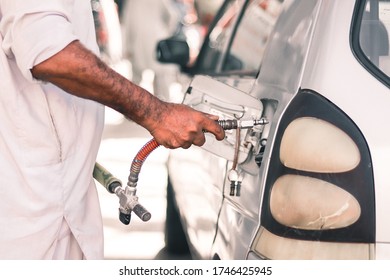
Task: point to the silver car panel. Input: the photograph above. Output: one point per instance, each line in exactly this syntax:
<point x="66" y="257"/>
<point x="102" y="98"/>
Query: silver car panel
<point x="309" y="48"/>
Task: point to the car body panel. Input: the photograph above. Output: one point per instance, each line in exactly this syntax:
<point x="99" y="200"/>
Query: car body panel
<point x="287" y="85"/>
<point x="199" y="197"/>
<point x="309" y="48"/>
<point x="327" y="66"/>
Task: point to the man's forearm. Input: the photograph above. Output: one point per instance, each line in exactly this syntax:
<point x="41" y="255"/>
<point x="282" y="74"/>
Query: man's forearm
<point x="78" y="71"/>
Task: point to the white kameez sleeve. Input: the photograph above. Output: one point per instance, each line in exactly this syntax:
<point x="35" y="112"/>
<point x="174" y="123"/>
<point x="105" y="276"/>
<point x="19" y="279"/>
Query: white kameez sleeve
<point x="35" y="30"/>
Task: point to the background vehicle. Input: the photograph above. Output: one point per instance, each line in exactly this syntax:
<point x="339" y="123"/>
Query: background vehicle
<point x="313" y="182"/>
<point x="178" y="18"/>
<point x="109" y="35"/>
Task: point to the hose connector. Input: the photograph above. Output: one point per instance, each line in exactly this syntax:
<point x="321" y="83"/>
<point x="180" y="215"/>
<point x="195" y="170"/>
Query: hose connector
<point x="243" y="124"/>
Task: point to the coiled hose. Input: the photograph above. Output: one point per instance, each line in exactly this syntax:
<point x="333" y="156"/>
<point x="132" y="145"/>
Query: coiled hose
<point x="152" y="145"/>
<point x="139" y="159"/>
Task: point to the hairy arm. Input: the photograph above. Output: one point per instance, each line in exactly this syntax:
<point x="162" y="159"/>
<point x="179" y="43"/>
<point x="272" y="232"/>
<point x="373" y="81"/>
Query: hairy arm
<point x="78" y="71"/>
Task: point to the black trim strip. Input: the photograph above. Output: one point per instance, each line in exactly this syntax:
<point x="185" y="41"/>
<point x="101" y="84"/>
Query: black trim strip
<point x="356" y="48"/>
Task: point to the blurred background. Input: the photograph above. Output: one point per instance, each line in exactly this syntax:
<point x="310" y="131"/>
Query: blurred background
<point x="127" y="32"/>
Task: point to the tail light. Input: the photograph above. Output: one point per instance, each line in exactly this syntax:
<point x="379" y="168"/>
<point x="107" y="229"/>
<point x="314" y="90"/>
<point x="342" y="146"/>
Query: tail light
<point x="319" y="196"/>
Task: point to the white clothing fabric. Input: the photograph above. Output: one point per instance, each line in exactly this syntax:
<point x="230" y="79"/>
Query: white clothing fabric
<point x="66" y="247"/>
<point x="49" y="139"/>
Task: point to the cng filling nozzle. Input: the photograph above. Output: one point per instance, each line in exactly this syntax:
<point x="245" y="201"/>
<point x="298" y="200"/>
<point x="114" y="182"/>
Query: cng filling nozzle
<point x="241" y="124"/>
<point x="128" y="199"/>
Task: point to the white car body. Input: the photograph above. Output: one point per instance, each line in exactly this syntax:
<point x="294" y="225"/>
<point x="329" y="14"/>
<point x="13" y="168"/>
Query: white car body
<point x="321" y="193"/>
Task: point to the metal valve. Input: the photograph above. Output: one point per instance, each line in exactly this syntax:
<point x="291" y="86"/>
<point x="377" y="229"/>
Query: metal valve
<point x="128" y="200"/>
<point x="242" y="124"/>
<point x="234" y="176"/>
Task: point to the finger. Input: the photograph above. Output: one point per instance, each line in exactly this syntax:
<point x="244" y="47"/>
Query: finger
<point x="186" y="145"/>
<point x="214" y="128"/>
<point x="199" y="140"/>
<point x="213" y="117"/>
<point x="171" y="143"/>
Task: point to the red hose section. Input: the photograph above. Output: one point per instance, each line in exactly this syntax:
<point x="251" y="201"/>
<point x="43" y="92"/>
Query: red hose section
<point x="142" y="155"/>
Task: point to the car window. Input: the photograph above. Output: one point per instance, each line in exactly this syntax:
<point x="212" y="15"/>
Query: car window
<point x="217" y="40"/>
<point x="247" y="48"/>
<point x="374" y="26"/>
